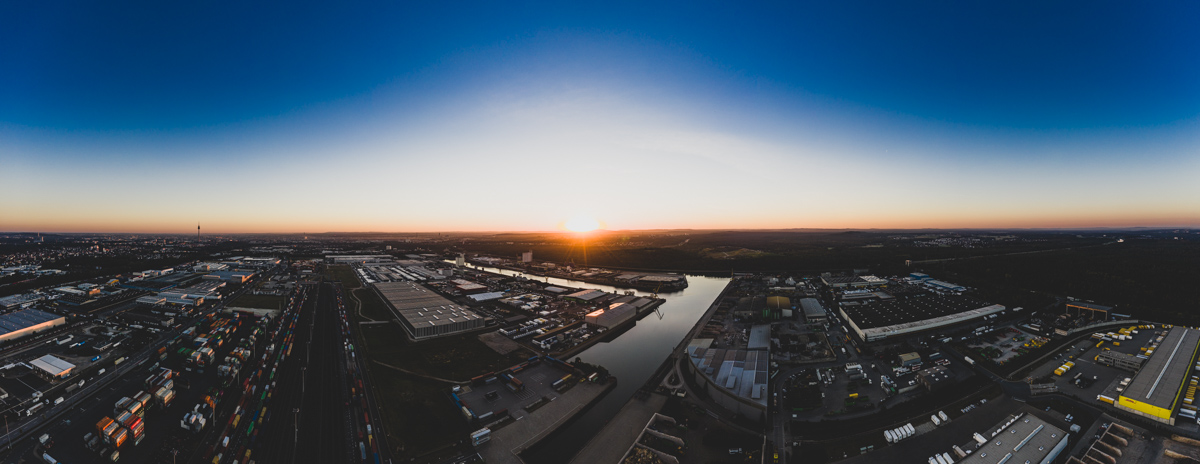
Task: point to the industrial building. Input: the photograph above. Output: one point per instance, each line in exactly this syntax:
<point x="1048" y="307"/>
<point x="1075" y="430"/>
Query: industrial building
<point x="1023" y="438"/>
<point x="735" y="379"/>
<point x="585" y="296"/>
<point x="1156" y="390"/>
<point x="467" y="287"/>
<point x="25" y="322"/>
<point x="760" y="337"/>
<point x="358" y="259"/>
<point x="52" y="367"/>
<point x="852" y="281"/>
<point x="480" y="297"/>
<point x="1093" y="311"/>
<point x="425" y="314"/>
<point x="20" y="301"/>
<point x="813" y="311"/>
<point x="230" y="276"/>
<point x="611" y="316"/>
<point x="1120" y="360"/>
<point x="209" y="267"/>
<point x="877" y="320"/>
<point x="944" y="286"/>
<point x="935" y="378"/>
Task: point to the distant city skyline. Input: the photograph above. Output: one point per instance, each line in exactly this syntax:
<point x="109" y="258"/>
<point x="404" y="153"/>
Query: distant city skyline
<point x="486" y="117"/>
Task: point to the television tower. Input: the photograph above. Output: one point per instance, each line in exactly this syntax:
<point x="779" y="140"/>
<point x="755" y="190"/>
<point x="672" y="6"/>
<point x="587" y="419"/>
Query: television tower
<point x="197" y="232"/>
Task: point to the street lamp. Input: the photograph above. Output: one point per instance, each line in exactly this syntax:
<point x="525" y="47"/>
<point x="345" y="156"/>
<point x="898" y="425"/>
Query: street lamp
<point x="296" y="425"/>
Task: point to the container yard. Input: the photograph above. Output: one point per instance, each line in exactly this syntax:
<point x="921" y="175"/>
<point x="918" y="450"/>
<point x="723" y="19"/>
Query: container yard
<point x="172" y="399"/>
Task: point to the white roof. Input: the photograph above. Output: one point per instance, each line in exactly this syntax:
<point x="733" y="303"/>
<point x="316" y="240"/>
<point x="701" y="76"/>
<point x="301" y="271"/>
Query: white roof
<point x="486" y="296"/>
<point x="52" y="365"/>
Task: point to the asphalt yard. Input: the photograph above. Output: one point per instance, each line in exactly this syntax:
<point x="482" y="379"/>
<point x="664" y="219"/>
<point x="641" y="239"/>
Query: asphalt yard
<point x="496" y="397"/>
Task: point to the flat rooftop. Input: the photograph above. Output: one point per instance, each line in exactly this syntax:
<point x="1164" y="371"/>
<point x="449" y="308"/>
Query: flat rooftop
<point x="760" y="337"/>
<point x="52" y="365"/>
<point x="812" y="307"/>
<point x="1026" y="438"/>
<point x="742" y="372"/>
<point x="24" y="319"/>
<point x="1161" y="379"/>
<point x="422" y="307"/>
<point x="897" y="311"/>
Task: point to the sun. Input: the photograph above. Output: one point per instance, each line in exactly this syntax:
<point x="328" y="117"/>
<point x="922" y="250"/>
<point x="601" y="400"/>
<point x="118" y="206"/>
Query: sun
<point x="582" y="224"/>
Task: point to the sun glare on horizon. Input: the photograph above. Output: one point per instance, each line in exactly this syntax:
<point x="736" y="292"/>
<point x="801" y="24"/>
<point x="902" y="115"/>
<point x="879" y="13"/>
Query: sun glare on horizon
<point x="582" y="223"/>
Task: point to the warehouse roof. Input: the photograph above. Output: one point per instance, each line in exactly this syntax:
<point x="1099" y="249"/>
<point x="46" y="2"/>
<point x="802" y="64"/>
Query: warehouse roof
<point x="421" y="307"/>
<point x="24" y="319"/>
<point x="742" y="372"/>
<point x="921" y="307"/>
<point x="1161" y="379"/>
<point x="1020" y="439"/>
<point x="52" y="365"/>
<point x="939" y="321"/>
<point x="486" y="296"/>
<point x="760" y="337"/>
<point x="812" y="307"/>
<point x="586" y="295"/>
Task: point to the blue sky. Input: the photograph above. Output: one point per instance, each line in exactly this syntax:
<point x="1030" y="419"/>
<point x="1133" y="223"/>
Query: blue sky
<point x="411" y="116"/>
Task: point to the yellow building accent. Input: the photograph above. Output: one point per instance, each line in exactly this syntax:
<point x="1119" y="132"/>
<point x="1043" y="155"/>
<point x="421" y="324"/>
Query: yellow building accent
<point x="1144" y="408"/>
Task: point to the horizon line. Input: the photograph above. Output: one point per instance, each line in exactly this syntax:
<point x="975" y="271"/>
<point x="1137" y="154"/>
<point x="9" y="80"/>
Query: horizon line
<point x="565" y="232"/>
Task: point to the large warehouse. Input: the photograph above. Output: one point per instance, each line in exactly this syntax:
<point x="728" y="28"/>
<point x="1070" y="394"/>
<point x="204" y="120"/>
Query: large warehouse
<point x="18" y="324"/>
<point x="1156" y="390"/>
<point x="52" y="367"/>
<point x="612" y="316"/>
<point x="813" y="311"/>
<point x="882" y="319"/>
<point x="735" y="379"/>
<point x="425" y="314"/>
<point x="1023" y="438"/>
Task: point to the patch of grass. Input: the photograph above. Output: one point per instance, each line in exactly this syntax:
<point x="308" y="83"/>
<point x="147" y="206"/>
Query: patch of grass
<point x="258" y="301"/>
<point x="372" y="305"/>
<point x="458" y="357"/>
<point x="345" y="274"/>
<point x="419" y="418"/>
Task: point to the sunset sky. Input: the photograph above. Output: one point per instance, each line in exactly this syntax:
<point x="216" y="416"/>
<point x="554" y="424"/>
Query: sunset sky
<point x="441" y="116"/>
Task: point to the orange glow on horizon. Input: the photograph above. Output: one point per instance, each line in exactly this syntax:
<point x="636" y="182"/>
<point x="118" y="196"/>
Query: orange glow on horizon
<point x="582" y="223"/>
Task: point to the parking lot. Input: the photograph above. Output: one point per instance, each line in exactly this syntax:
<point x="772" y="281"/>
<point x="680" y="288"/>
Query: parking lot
<point x="1006" y="344"/>
<point x="496" y="397"/>
<point x="1104" y="379"/>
